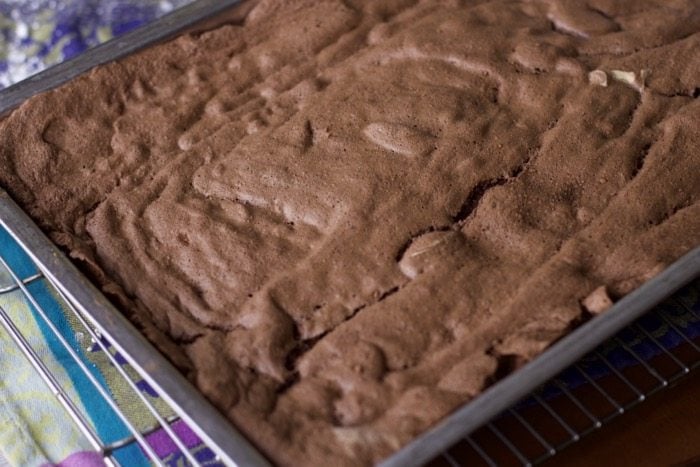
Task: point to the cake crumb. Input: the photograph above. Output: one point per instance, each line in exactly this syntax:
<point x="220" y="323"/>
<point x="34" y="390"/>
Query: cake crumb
<point x="597" y="301"/>
<point x="637" y="81"/>
<point x="598" y="77"/>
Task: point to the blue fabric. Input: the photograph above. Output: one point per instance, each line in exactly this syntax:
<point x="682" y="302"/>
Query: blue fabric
<point x="18" y="261"/>
<point x="105" y="421"/>
<point x="107" y="424"/>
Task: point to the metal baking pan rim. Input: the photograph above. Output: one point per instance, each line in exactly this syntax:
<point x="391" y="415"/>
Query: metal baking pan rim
<point x="208" y="422"/>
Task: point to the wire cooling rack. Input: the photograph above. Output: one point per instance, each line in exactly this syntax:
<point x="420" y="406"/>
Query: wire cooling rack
<point x="650" y="354"/>
<point x="165" y="420"/>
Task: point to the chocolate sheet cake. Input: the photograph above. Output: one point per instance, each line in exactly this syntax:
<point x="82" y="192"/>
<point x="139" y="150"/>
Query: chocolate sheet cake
<point x="343" y="219"/>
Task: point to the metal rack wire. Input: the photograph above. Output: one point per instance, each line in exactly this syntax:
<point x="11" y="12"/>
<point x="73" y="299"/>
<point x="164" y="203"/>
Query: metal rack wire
<point x="591" y="393"/>
<point x="107" y="448"/>
<point x="575" y="403"/>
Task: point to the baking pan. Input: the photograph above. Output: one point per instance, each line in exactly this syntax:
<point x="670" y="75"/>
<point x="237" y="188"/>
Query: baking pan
<point x="231" y="446"/>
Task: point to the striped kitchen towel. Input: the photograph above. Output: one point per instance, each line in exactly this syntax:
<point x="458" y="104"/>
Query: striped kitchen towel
<point x="34" y="427"/>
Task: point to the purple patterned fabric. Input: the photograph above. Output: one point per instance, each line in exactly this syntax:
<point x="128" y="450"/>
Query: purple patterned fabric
<point x="35" y="34"/>
<point x="81" y="459"/>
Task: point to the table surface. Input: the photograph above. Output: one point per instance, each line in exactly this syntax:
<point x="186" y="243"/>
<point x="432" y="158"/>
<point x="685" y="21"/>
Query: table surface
<point x="664" y="430"/>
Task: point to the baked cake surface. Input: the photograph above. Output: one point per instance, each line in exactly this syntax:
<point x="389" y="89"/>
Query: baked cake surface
<point x="343" y="219"/>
